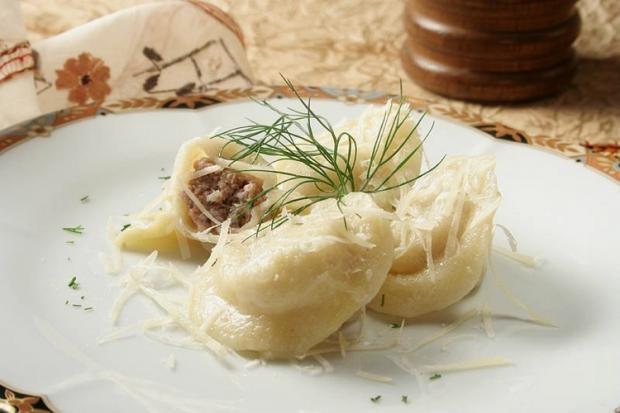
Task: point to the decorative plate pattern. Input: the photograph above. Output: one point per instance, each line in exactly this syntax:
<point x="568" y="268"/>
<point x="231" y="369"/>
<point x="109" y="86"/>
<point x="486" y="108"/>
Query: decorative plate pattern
<point x="12" y="401"/>
<point x="605" y="160"/>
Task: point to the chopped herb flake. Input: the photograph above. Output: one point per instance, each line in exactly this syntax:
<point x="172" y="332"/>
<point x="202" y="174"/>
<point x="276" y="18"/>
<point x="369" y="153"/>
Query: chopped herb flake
<point x="382" y="299"/>
<point x="69" y="242"/>
<point x="164" y="178"/>
<point x="404" y="399"/>
<point x="376" y="398"/>
<point x="84" y="199"/>
<point x="435" y="376"/>
<point x="395" y="325"/>
<point x="66" y="302"/>
<point x="73" y="283"/>
<point x="89" y="308"/>
<point x="82" y="297"/>
<point x="75" y="230"/>
<point x="76" y="305"/>
<point x="125" y="227"/>
<point x="162" y="169"/>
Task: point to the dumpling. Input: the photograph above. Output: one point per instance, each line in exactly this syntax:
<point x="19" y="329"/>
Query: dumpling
<point x="385" y="137"/>
<point x="205" y="189"/>
<point x="443" y="234"/>
<point x="287" y="290"/>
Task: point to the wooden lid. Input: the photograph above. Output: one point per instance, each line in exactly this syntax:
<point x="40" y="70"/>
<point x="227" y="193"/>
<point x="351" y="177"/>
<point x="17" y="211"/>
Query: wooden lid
<point x="496" y="15"/>
<point x="450" y="39"/>
<point x="491" y="50"/>
<point x="487" y="86"/>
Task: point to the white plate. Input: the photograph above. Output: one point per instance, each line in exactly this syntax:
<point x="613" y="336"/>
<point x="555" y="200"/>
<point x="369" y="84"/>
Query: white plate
<point x="559" y="211"/>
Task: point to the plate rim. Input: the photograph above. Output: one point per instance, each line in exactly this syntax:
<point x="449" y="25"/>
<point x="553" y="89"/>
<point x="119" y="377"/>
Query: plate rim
<point x="39" y="402"/>
<point x="44" y="125"/>
<point x="597" y="159"/>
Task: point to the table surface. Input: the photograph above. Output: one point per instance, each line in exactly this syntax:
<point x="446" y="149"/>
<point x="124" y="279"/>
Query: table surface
<point x="343" y="44"/>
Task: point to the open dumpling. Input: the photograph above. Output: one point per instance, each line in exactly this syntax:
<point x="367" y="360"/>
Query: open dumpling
<point x="443" y="234"/>
<point x="287" y="290"/>
<point x="205" y="189"/>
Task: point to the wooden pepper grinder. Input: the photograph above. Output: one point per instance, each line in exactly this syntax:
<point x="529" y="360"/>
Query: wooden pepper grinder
<point x="491" y="50"/>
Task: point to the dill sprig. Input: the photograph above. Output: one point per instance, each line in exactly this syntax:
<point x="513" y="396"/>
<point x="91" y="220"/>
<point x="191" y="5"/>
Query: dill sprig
<point x="329" y="166"/>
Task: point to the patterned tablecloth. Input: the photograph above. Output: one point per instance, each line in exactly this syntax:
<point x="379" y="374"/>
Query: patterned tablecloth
<point x="348" y="43"/>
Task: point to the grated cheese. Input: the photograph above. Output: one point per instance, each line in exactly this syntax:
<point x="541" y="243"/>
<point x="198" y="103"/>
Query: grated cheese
<point x="217" y="249"/>
<point x="129" y="280"/>
<point x="357" y="240"/>
<point x="373" y="377"/>
<point x="512" y="241"/>
<point x="118" y="334"/>
<point x="363" y="346"/>
<point x="342" y="342"/>
<point x="186" y="252"/>
<point x="170" y="362"/>
<point x="534" y="315"/>
<point x="326" y="365"/>
<point x="310" y="370"/>
<point x="135" y="281"/>
<point x="445" y="330"/>
<point x="199" y="204"/>
<point x="481" y="363"/>
<point x="254" y="364"/>
<point x="452" y="243"/>
<point x="399" y="335"/>
<point x="526" y="260"/>
<point x="487" y="322"/>
<point x="427" y="243"/>
<point x="205" y="171"/>
<point x="536" y="321"/>
<point x="513" y="253"/>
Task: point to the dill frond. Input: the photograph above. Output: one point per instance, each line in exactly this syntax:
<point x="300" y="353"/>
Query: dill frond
<point x="329" y="166"/>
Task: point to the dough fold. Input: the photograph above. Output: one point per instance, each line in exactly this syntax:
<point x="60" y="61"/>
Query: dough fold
<point x="284" y="292"/>
<point x="443" y="234"/>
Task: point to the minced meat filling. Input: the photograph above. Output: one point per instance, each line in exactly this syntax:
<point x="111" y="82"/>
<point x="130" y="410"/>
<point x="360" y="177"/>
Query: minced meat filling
<point x="224" y="194"/>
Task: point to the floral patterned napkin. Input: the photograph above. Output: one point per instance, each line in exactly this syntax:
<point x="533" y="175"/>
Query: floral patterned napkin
<point x="176" y="47"/>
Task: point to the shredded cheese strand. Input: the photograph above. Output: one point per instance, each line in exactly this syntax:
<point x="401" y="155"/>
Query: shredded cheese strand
<point x="219" y="246"/>
<point x="170" y="362"/>
<point x="342" y="342"/>
<point x="183" y="243"/>
<point x="373" y="377"/>
<point x="326" y="365"/>
<point x="437" y="335"/>
<point x="199" y="204"/>
<point x="254" y="363"/>
<point x="481" y="363"/>
<point x="508" y="294"/>
<point x="523" y="259"/>
<point x="205" y="171"/>
<point x="487" y="322"/>
<point x="512" y="241"/>
<point x="452" y="243"/>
